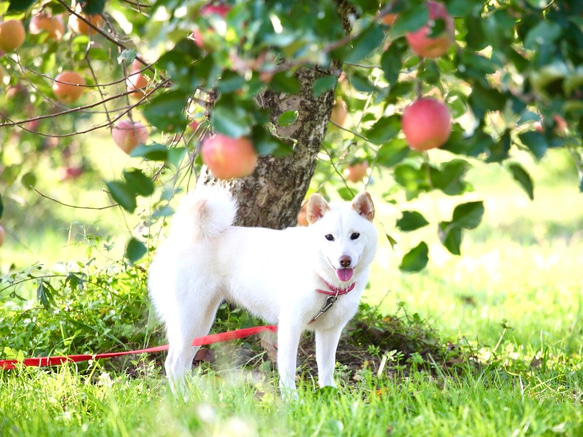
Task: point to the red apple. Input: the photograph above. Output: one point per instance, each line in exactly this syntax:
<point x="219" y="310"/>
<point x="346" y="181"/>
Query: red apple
<point x="420" y="41"/>
<point x="136" y="83"/>
<point x="12" y="35"/>
<point x="53" y="25"/>
<point x="79" y="26"/>
<point x="562" y="125"/>
<point x="68" y="86"/>
<point x="2" y="235"/>
<point x="228" y="157"/>
<point x="67" y="173"/>
<point x="127" y="136"/>
<point x="426" y="124"/>
<point x="356" y="172"/>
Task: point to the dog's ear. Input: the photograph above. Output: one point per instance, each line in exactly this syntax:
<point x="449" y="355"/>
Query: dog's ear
<point x="317" y="207"/>
<point x="364" y="206"/>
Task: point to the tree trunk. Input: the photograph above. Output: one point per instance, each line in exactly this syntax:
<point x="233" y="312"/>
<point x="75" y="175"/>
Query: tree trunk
<point x="273" y="194"/>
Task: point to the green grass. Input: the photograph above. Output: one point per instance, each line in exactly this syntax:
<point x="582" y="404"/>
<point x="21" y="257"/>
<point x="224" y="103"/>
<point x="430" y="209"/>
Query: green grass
<point x="489" y="402"/>
<point x="511" y="304"/>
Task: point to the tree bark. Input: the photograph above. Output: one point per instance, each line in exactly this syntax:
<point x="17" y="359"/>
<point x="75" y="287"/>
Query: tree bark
<point x="273" y="194"/>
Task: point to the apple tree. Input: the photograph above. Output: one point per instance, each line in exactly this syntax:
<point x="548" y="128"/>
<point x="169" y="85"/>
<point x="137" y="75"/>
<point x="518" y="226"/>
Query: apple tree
<point x="326" y="95"/>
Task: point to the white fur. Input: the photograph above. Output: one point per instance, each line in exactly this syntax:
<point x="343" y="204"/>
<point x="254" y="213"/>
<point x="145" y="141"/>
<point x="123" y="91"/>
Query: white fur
<point x="272" y="273"/>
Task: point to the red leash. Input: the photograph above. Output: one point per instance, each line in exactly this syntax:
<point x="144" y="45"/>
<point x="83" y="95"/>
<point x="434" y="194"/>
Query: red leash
<point x="199" y="341"/>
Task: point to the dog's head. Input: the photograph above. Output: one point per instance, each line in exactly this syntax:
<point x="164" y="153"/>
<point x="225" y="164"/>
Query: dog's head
<point x="346" y="237"/>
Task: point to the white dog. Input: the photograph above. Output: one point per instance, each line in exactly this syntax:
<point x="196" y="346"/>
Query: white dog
<point x="299" y="278"/>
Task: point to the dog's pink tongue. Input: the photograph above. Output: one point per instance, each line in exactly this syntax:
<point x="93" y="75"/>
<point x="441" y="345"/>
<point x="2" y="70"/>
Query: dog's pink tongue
<point x="344" y="274"/>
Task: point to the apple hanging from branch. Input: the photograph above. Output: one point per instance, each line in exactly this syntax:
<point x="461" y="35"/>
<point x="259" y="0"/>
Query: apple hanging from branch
<point x="423" y="42"/>
<point x="227" y="157"/>
<point x="426" y="124"/>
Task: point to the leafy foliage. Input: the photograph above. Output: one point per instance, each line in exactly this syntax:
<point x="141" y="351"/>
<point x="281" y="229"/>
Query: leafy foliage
<point x="512" y="80"/>
<point x="86" y="311"/>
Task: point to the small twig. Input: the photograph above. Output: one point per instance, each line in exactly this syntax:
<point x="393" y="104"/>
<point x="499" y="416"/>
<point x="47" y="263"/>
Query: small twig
<point x="352" y="64"/>
<point x="356" y="134"/>
<point x="78" y="109"/>
<point x="98" y="208"/>
<point x="103" y="33"/>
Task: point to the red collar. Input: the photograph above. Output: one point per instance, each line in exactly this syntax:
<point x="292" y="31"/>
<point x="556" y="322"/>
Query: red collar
<point x="335" y="290"/>
<point x="332" y="297"/>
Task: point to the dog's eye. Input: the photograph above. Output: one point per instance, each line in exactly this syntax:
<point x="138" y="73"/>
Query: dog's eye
<point x="329" y="237"/>
<point x="354" y="236"/>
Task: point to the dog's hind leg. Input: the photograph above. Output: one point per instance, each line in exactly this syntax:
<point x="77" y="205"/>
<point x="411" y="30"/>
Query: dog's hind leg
<point x="181" y="331"/>
<point x="326" y="344"/>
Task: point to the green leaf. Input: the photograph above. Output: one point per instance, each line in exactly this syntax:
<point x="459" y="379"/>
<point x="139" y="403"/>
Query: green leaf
<point x="399" y="89"/>
<point x="384" y="129"/>
<point x="345" y="193"/>
<point x="451" y="237"/>
<point x="28" y="180"/>
<point x="45" y="294"/>
<point x="468" y="215"/>
<point x="411" y="221"/>
<point x="166" y="111"/>
<point x="365" y="43"/>
<point x="499" y="151"/>
<point x="75" y="281"/>
<point x="450" y="177"/>
<point x="464" y="8"/>
<point x="476" y="38"/>
<point x="429" y="73"/>
<point x="391" y="240"/>
<point x="413" y="179"/>
<point x="284" y="82"/>
<point x="175" y="156"/>
<point x="362" y="84"/>
<point x="287" y="118"/>
<point x="92" y="7"/>
<point x="391" y="61"/>
<point x="230" y="81"/>
<point x="521" y="176"/>
<point x="20" y="5"/>
<point x="267" y="144"/>
<point x="483" y="99"/>
<point x="135" y="250"/>
<point x="122" y="194"/>
<point x="323" y="84"/>
<point x="164" y="211"/>
<point x="416" y="259"/>
<point x="152" y="152"/>
<point x="535" y="141"/>
<point x="410" y="20"/>
<point x="230" y="120"/>
<point x="545" y="32"/>
<point x="392" y="153"/>
<point x="138" y="182"/>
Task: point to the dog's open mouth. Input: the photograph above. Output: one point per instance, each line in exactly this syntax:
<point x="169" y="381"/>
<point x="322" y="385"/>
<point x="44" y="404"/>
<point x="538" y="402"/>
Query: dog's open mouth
<point x="344" y="274"/>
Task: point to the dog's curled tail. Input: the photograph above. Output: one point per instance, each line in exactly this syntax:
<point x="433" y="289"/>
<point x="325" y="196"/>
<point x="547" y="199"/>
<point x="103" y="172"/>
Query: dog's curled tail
<point x="205" y="213"/>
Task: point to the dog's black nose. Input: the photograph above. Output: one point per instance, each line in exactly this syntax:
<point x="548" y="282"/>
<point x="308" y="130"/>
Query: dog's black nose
<point x="345" y="261"/>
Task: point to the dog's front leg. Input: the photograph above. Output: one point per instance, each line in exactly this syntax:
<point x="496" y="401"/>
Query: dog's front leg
<point x="326" y="344"/>
<point x="288" y="339"/>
